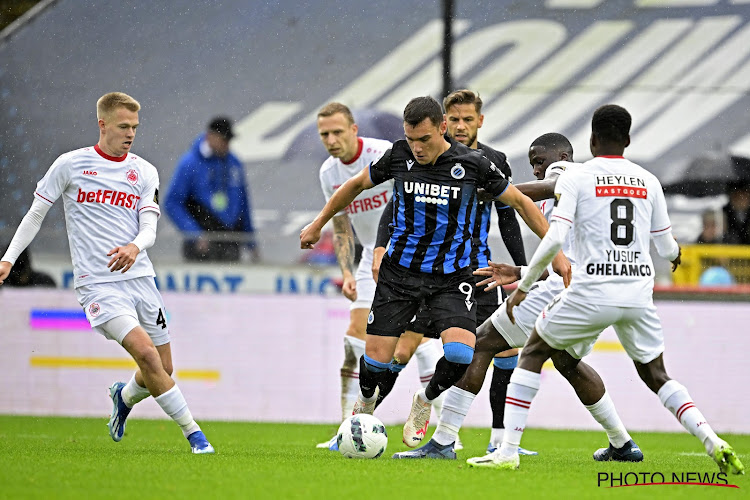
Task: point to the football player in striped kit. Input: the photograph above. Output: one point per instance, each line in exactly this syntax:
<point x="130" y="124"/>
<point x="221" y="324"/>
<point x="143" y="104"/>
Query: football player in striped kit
<point x="349" y="155"/>
<point x="428" y="258"/>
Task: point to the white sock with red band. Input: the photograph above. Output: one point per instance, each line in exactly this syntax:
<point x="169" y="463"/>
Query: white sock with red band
<point x="523" y="386"/>
<point x="674" y="396"/>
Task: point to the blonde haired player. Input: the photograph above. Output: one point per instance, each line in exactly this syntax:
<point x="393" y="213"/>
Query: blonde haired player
<point x="111" y="201"/>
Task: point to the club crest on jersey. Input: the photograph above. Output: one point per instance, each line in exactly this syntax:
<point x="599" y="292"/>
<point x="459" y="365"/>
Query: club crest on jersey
<point x="132" y="176"/>
<point x="458" y="171"/>
<point x="94" y="310"/>
<point x="370" y="318"/>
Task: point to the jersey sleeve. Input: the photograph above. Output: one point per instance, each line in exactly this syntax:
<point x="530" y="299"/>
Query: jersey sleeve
<point x="380" y="171"/>
<point x="54" y="182"/>
<point x="325" y="184"/>
<point x="508" y="173"/>
<point x="660" y="223"/>
<point x="491" y="178"/>
<point x="150" y="194"/>
<point x="555" y="169"/>
<point x="566" y="199"/>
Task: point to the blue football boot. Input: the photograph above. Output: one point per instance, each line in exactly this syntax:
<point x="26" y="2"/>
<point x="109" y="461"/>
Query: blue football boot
<point x="630" y="452"/>
<point x="430" y="450"/>
<point x="120" y="412"/>
<point x="199" y="444"/>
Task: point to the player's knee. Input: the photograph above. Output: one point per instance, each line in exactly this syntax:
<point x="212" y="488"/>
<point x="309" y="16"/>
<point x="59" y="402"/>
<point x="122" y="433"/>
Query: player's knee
<point x="485" y="333"/>
<point x="565" y="364"/>
<point x="653" y="373"/>
<point x="356" y="330"/>
<point x="457" y="352"/>
<point x="403" y="353"/>
<point x="147" y="358"/>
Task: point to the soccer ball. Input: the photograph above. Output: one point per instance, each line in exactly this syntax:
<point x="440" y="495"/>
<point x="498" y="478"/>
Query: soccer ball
<point x="362" y="436"/>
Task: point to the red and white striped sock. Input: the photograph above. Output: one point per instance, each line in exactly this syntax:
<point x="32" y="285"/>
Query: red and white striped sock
<point x="523" y="386"/>
<point x="674" y="396"/>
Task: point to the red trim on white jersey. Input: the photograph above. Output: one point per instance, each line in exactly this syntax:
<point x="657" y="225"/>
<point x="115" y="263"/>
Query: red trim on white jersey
<point x="42" y="197"/>
<point x="149" y="206"/>
<point x="107" y="157"/>
<point x="662" y="230"/>
<point x="563" y="218"/>
<point x="360" y="144"/>
<point x="612" y="156"/>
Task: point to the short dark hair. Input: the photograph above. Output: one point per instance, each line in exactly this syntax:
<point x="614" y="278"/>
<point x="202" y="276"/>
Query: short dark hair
<point x="463" y="96"/>
<point x="554" y="141"/>
<point x="420" y="108"/>
<point x="611" y="123"/>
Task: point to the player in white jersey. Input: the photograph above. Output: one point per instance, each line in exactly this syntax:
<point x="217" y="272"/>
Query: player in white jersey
<point x="549" y="155"/>
<point x="615" y="208"/>
<point x="111" y="201"/>
<point x="349" y="155"/>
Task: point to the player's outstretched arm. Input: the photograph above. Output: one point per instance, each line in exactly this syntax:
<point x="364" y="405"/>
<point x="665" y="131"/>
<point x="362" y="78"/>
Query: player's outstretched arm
<point x="538" y="190"/>
<point x="529" y="212"/>
<point x="341" y="198"/>
<point x="27" y="230"/>
<point x="533" y="217"/>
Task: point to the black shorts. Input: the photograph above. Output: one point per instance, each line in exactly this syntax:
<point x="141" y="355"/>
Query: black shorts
<point x="487" y="303"/>
<point x="448" y="299"/>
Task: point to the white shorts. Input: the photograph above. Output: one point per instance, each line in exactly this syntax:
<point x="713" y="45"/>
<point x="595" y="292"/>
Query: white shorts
<point x="526" y="313"/>
<point x="566" y="322"/>
<point x="365" y="283"/>
<point x="137" y="298"/>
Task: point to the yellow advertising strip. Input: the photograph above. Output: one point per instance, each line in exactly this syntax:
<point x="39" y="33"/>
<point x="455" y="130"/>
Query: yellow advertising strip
<point x="601" y="346"/>
<point x="113" y="364"/>
<point x="71" y="362"/>
<point x="212" y="375"/>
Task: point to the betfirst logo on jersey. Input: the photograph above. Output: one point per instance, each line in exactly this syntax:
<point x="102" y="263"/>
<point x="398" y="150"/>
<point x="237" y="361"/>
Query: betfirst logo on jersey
<point x="366" y="204"/>
<point x="426" y="192"/>
<point x="621" y="186"/>
<point x="116" y="198"/>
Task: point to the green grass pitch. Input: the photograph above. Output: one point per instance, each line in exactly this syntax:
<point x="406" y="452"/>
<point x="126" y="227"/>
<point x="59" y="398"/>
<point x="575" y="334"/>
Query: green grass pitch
<point x="75" y="458"/>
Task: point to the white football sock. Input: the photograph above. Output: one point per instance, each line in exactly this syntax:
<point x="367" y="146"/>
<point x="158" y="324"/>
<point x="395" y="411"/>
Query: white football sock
<point x="496" y="437"/>
<point x="173" y="403"/>
<point x="605" y="413"/>
<point x="354" y="349"/>
<point x="523" y="386"/>
<point x="428" y="354"/>
<point x="455" y="407"/>
<point x="674" y="396"/>
<point x="133" y="393"/>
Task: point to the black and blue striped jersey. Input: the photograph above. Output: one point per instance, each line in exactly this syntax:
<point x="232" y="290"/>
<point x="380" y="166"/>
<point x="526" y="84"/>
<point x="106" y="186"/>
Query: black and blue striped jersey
<point x="435" y="206"/>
